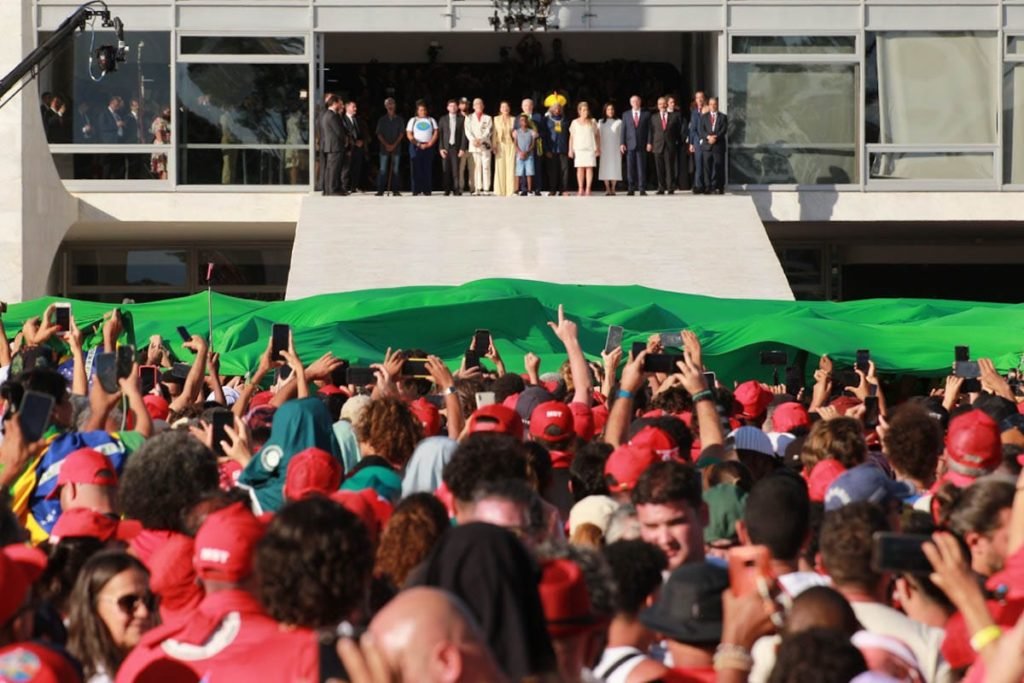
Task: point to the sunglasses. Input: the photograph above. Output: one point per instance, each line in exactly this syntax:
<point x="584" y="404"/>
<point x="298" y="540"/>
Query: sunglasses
<point x="130" y="602"/>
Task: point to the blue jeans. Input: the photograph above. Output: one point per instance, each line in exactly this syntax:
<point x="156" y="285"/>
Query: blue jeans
<point x="384" y="172"/>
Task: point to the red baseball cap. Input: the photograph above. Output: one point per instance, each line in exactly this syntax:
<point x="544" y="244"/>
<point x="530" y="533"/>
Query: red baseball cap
<point x="821" y="478"/>
<point x="310" y="472"/>
<point x="565" y="599"/>
<point x="753" y="398"/>
<point x="496" y="418"/>
<point x="843" y="404"/>
<point x="551" y="421"/>
<point x="225" y="544"/>
<point x="658" y="441"/>
<point x="261" y="398"/>
<point x="332" y="390"/>
<point x="790" y="416"/>
<point x="35" y="663"/>
<point x="156" y="406"/>
<point x="367" y="506"/>
<point x="79" y="522"/>
<point x="626" y="463"/>
<point x="85" y="466"/>
<point x="20" y="567"/>
<point x="428" y="415"/>
<point x="974" y="447"/>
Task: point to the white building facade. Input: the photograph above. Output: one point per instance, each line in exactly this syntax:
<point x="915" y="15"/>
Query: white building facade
<point x="874" y="133"/>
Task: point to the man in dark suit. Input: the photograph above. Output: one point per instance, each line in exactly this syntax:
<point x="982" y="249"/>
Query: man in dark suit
<point x="332" y="146"/>
<point x="700" y="182"/>
<point x="636" y="143"/>
<point x="453" y="144"/>
<point x="111" y="132"/>
<point x="713" y="130"/>
<point x="356" y="138"/>
<point x="665" y="131"/>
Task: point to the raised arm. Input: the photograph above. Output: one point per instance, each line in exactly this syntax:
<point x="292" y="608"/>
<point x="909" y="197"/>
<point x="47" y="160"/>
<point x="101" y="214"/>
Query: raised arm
<point x="567" y="332"/>
<point x="196" y="375"/>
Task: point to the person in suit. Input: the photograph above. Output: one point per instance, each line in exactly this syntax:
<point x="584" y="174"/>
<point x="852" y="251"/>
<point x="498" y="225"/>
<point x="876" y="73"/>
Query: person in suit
<point x="636" y="142"/>
<point x="453" y="146"/>
<point x="713" y="135"/>
<point x="111" y="132"/>
<point x="479" y="134"/>
<point x="693" y="139"/>
<point x="682" y="153"/>
<point x="355" y="141"/>
<point x="332" y="146"/>
<point x="665" y="131"/>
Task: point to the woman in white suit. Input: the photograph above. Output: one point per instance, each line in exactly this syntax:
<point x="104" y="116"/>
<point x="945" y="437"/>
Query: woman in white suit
<point x="479" y="127"/>
<point x="611" y="157"/>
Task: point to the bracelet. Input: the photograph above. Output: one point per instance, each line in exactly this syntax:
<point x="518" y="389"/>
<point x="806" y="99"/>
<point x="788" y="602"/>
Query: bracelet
<point x="622" y="393"/>
<point x="985" y="637"/>
<point x="730" y="656"/>
<point x="706" y="395"/>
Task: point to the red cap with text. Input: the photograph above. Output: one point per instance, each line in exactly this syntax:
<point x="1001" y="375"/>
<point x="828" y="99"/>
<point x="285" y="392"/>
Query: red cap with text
<point x="551" y="421"/>
<point x="226" y="542"/>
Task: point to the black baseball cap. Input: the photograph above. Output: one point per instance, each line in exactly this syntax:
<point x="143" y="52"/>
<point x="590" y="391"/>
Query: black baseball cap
<point x="689" y="606"/>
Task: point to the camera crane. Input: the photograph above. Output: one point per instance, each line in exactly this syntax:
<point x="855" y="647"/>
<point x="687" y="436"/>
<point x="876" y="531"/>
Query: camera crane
<point x="106" y="57"/>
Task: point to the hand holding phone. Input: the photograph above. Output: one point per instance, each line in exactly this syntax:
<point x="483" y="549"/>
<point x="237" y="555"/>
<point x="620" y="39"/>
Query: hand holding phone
<point x="900" y="553"/>
<point x="106" y="371"/>
<point x="863" y="360"/>
<point x="614" y="338"/>
<point x="749" y="565"/>
<point x="280" y="336"/>
<point x="222" y="419"/>
<point x="672" y="340"/>
<point x="482" y="342"/>
<point x="62" y="317"/>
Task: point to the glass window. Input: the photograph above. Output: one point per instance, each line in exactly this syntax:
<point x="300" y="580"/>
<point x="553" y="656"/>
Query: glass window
<point x="93" y="166"/>
<point x="262" y="266"/>
<point x="931" y="88"/>
<point x="793" y="123"/>
<point x="126" y="106"/>
<point x="243" y="124"/>
<point x="108" y="267"/>
<point x="931" y="166"/>
<point x="242" y="45"/>
<point x="1013" y="123"/>
<point x="792" y="45"/>
<point x="1015" y="45"/>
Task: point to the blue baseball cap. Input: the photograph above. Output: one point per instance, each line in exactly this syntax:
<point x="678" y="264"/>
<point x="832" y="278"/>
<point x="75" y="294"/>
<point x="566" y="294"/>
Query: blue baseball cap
<point x="866" y="482"/>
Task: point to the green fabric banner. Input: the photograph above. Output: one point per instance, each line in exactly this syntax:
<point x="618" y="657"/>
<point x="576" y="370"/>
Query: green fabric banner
<point x="904" y="335"/>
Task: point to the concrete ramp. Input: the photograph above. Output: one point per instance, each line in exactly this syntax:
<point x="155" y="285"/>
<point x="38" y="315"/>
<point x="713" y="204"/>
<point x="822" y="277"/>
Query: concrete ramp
<point x="712" y="245"/>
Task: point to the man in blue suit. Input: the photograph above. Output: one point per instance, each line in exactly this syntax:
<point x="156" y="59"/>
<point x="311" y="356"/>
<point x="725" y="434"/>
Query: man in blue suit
<point x="714" y="129"/>
<point x="700" y="183"/>
<point x="636" y="143"/>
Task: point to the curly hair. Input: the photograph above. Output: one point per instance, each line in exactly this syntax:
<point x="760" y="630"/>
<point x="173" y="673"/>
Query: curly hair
<point x="914" y="442"/>
<point x="586" y="472"/>
<point x="390" y="429"/>
<point x="89" y="639"/>
<point x="636" y="567"/>
<point x="674" y="400"/>
<point x="314" y="564"/>
<point x="841" y="438"/>
<point x="168" y="475"/>
<point x="817" y="655"/>
<point x="482" y="458"/>
<point x="667" y="482"/>
<point x="409" y="536"/>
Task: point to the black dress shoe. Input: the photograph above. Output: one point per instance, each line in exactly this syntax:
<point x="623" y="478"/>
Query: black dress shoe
<point x="396" y="194"/>
<point x="457" y="194"/>
<point x="698" y="190"/>
<point x="536" y="193"/>
<point x="446" y="193"/>
<point x="380" y="194"/>
<point x="630" y="193"/>
<point x="671" y="191"/>
<point x="660" y="192"/>
<point x="343" y="193"/>
<point x="643" y="193"/>
<point x="426" y="194"/>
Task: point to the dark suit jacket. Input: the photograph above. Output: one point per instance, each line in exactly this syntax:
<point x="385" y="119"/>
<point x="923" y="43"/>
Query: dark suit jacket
<point x="444" y="125"/>
<point x="670" y="136"/>
<point x="131" y="130"/>
<point x="353" y="130"/>
<point x="332" y="134"/>
<point x="107" y="126"/>
<point x="636" y="136"/>
<point x="719" y="129"/>
<point x="693" y="128"/>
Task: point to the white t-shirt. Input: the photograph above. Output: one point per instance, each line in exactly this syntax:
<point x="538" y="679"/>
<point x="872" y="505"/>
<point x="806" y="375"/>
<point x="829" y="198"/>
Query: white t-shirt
<point x="422" y="129"/>
<point x="630" y="658"/>
<point x="924" y="641"/>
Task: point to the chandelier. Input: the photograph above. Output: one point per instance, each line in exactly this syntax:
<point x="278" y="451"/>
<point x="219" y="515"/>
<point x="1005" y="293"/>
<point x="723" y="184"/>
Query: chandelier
<point x="522" y="15"/>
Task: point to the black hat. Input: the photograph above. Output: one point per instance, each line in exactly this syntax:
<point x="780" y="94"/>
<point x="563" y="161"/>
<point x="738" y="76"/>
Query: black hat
<point x="689" y="606"/>
<point x="530" y="399"/>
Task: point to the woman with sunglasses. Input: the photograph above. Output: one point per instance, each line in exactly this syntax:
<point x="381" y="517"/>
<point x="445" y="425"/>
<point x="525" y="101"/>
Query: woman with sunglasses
<point x="111" y="607"/>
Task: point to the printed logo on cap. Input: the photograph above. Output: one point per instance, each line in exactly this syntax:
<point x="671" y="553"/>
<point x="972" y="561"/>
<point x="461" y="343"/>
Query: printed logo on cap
<point x="215" y="555"/>
<point x="19" y="665"/>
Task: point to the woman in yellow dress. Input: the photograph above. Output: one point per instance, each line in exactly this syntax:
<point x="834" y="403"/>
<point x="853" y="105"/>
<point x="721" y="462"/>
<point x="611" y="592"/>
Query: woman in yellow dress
<point x="504" y="153"/>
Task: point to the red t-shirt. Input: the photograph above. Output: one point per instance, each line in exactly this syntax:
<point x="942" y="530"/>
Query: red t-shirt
<point x="704" y="674"/>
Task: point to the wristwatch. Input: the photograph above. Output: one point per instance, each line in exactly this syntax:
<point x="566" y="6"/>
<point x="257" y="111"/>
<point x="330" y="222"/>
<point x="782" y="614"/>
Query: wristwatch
<point x="448" y="392"/>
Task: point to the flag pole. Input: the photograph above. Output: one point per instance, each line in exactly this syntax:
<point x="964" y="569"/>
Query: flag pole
<point x="209" y="301"/>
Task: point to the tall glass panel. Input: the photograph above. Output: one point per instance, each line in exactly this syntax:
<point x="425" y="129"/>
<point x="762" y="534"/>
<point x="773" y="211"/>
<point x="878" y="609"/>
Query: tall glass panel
<point x="793" y="123"/>
<point x="790" y="45"/>
<point x="243" y="124"/>
<point x="1013" y="123"/>
<point x="130" y="106"/>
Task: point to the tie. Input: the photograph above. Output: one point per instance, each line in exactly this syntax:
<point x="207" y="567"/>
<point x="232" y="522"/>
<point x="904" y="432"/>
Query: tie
<point x="636" y="119"/>
<point x="663" y="121"/>
<point x="712" y="120"/>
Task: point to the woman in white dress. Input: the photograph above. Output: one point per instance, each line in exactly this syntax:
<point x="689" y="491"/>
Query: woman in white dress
<point x="584" y="147"/>
<point x="611" y="153"/>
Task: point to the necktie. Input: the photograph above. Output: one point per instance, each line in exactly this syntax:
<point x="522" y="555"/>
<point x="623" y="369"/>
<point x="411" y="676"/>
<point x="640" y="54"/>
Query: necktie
<point x="636" y="119"/>
<point x="712" y="120"/>
<point x="663" y="121"/>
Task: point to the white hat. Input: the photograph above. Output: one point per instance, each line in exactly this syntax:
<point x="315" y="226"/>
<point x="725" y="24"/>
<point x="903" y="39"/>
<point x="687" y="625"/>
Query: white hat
<point x="751" y="439"/>
<point x="596" y="510"/>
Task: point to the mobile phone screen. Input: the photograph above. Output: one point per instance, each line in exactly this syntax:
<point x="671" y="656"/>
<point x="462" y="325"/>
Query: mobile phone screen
<point x="149" y="376"/>
<point x="415" y="367"/>
<point x="279" y="340"/>
<point x="662" y="362"/>
<point x="638" y="348"/>
<point x="871" y="415"/>
<point x="360" y="377"/>
<point x="863" y="360"/>
<point x="472" y="360"/>
<point x="484" y="398"/>
<point x="184" y="333"/>
<point x="125" y="361"/>
<point x="961" y="353"/>
<point x="34" y="415"/>
<point x="62" y="317"/>
<point x="711" y="380"/>
<point x="482" y="342"/>
<point x="902" y="553"/>
<point x="221" y="420"/>
<point x="672" y="339"/>
<point x="614" y="339"/>
<point x="106" y="371"/>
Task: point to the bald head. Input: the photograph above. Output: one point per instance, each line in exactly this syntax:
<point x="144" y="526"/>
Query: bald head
<point x="429" y="635"/>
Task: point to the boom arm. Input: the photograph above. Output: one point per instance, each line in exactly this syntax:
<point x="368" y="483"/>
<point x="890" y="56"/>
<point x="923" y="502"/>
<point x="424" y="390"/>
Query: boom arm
<point x="67" y="28"/>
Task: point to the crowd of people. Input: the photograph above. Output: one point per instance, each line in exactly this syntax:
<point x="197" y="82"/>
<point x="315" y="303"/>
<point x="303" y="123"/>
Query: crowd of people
<point x="528" y="153"/>
<point x="594" y="521"/>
